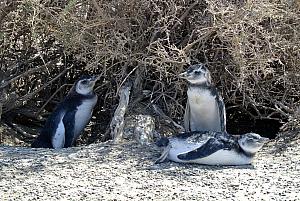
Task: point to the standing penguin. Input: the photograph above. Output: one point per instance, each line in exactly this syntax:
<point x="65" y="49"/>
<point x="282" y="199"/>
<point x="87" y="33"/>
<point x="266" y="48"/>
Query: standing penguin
<point x="205" y="110"/>
<point x="65" y="124"/>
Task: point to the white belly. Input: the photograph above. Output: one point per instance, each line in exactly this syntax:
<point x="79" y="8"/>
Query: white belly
<point x="221" y="157"/>
<point x="58" y="140"/>
<point x="83" y="116"/>
<point x="179" y="146"/>
<point x="204" y="111"/>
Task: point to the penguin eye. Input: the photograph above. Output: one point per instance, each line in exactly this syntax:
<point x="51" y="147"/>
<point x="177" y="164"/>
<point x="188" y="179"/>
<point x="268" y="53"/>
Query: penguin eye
<point x="84" y="82"/>
<point x="197" y="72"/>
<point x="189" y="71"/>
<point x="251" y="140"/>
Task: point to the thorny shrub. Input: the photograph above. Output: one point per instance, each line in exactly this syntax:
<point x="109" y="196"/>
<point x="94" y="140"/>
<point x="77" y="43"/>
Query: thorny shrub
<point x="251" y="48"/>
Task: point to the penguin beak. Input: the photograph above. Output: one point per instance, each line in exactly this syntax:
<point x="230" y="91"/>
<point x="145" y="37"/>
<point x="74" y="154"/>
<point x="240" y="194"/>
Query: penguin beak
<point x="95" y="78"/>
<point x="264" y="139"/>
<point x="183" y="75"/>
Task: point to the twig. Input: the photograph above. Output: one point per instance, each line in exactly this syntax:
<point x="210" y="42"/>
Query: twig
<point x="20" y="130"/>
<point x="286" y="108"/>
<point x="126" y="78"/>
<point x="164" y="116"/>
<point x="7" y="9"/>
<point x="30" y="95"/>
<point x="60" y="88"/>
<point x="189" y="46"/>
<point x="6" y="83"/>
<point x="185" y="14"/>
<point x="94" y="2"/>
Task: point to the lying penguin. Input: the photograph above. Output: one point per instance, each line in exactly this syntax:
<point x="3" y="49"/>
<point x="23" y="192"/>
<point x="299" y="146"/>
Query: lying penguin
<point x="65" y="124"/>
<point x="205" y="110"/>
<point x="211" y="148"/>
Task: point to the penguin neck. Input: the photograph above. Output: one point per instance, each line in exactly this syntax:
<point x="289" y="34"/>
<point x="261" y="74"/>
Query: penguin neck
<point x="246" y="153"/>
<point x="74" y="93"/>
<point x="88" y="95"/>
<point x="202" y="85"/>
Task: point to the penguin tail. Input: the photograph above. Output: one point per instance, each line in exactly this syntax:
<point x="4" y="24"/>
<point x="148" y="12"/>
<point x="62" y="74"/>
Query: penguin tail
<point x="163" y="157"/>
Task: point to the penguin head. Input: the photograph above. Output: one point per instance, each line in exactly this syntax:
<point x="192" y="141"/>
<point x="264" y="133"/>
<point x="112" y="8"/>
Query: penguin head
<point x="197" y="74"/>
<point x="85" y="84"/>
<point x="252" y="142"/>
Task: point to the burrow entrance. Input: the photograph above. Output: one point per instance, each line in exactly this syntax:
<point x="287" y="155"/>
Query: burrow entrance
<point x="240" y="123"/>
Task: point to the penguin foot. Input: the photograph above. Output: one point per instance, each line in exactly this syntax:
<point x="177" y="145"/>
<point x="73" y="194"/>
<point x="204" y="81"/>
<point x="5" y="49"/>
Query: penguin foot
<point x="163" y="156"/>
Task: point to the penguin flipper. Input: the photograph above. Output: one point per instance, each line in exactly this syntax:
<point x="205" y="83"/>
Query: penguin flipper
<point x="187" y="117"/>
<point x="164" y="155"/>
<point x="58" y="138"/>
<point x="211" y="146"/>
<point x="69" y="123"/>
<point x="222" y="112"/>
<point x="48" y="134"/>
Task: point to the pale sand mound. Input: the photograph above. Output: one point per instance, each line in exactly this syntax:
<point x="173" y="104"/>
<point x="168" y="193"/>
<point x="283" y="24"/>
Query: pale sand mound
<point x="125" y="172"/>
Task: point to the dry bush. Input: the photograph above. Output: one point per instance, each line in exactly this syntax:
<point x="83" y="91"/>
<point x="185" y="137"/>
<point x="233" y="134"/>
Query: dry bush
<point x="251" y="48"/>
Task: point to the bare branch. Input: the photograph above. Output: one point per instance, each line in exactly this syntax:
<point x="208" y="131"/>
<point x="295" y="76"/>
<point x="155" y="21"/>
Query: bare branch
<point x="117" y="122"/>
<point x="29" y="96"/>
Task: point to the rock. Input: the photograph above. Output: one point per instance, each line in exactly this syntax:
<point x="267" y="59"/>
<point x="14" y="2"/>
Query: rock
<point x="140" y="128"/>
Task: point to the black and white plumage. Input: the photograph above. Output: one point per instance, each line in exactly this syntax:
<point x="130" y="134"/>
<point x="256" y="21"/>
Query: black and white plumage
<point x="69" y="119"/>
<point x="211" y="148"/>
<point x="205" y="109"/>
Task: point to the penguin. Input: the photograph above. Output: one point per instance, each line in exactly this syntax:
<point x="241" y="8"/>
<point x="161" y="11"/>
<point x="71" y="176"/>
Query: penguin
<point x="205" y="109"/>
<point x="211" y="148"/>
<point x="69" y="119"/>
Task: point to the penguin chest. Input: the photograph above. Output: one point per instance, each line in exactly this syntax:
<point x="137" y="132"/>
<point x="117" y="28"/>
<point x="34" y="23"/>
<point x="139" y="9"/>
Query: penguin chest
<point x="204" y="111"/>
<point x="220" y="157"/>
<point x="83" y="115"/>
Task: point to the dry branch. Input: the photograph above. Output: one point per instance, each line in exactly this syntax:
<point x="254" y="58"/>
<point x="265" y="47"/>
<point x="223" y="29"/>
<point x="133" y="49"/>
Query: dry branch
<point x="24" y="99"/>
<point x="20" y="130"/>
<point x="117" y="122"/>
<point x="166" y="118"/>
<point x="51" y="97"/>
<point x="5" y="83"/>
<point x="184" y="15"/>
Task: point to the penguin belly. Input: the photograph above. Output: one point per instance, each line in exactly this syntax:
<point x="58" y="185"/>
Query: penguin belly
<point x="58" y="139"/>
<point x="224" y="157"/>
<point x="204" y="111"/>
<point x="83" y="116"/>
<point x="221" y="157"/>
<point x="178" y="147"/>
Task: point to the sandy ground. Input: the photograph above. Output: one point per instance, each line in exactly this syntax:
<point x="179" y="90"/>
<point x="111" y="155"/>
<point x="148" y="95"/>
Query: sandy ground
<point x="126" y="172"/>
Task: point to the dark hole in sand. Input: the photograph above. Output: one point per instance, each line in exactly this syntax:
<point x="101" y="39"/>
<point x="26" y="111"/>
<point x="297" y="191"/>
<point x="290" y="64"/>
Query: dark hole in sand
<point x="240" y="123"/>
